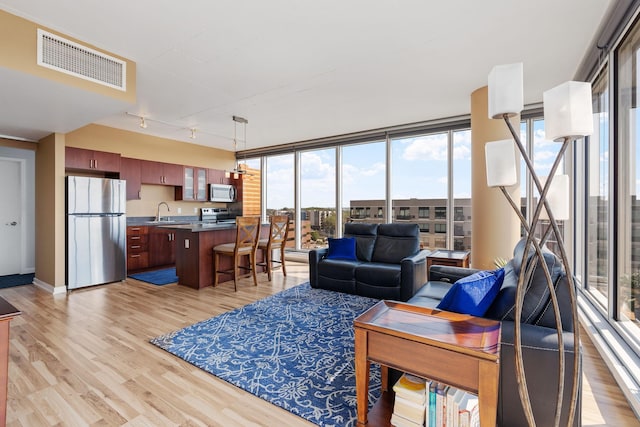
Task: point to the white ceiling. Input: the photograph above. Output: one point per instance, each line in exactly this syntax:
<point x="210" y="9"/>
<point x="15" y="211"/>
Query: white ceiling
<point x="296" y="69"/>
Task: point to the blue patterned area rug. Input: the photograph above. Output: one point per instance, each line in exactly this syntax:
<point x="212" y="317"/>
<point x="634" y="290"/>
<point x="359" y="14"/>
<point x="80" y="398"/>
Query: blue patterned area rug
<point x="294" y="349"/>
<point x="157" y="277"/>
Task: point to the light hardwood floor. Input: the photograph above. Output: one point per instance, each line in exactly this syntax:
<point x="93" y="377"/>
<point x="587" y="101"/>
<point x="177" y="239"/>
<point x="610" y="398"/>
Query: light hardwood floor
<point x="84" y="359"/>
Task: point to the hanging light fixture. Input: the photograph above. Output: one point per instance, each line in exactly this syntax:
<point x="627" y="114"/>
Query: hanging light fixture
<point x="237" y="170"/>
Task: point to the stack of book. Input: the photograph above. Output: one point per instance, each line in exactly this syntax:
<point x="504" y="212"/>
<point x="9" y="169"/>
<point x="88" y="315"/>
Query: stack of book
<point x="409" y="406"/>
<point x="429" y="403"/>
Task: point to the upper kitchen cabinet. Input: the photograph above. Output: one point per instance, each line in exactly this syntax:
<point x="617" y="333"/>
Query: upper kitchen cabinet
<point x="216" y="176"/>
<point x="90" y="160"/>
<point x="194" y="186"/>
<point x="130" y="171"/>
<point x="161" y="173"/>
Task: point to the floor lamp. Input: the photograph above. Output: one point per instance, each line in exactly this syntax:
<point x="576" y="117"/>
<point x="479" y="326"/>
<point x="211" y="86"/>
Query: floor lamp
<point x="568" y="116"/>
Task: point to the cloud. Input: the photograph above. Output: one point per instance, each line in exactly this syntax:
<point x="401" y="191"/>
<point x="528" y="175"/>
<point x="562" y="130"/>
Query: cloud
<point x="461" y="151"/>
<point x="431" y="147"/>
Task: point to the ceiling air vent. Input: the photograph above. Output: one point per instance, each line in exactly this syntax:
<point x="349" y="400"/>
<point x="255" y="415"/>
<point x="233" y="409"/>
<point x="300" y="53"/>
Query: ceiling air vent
<point x="68" y="57"/>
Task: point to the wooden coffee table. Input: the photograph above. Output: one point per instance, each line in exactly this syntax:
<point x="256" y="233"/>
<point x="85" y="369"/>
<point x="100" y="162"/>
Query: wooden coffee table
<point x="456" y="349"/>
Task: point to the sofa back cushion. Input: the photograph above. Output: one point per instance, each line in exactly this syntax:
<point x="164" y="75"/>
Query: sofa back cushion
<point x="396" y="242"/>
<point x="536" y="296"/>
<point x="365" y="235"/>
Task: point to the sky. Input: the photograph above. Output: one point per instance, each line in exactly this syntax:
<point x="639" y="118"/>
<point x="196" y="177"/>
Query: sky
<point x="419" y="170"/>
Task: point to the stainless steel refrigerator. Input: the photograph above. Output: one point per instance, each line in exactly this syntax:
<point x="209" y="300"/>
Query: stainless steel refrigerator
<point x="96" y="231"/>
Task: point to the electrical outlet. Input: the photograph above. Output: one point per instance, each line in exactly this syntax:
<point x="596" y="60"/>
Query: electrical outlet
<point x="186" y="243"/>
<point x="179" y="210"/>
<point x="195" y="210"/>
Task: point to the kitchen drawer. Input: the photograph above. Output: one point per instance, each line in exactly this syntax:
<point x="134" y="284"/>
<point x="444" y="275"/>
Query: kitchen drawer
<point x="141" y="239"/>
<point x="137" y="261"/>
<point x="137" y="230"/>
<point x="137" y="247"/>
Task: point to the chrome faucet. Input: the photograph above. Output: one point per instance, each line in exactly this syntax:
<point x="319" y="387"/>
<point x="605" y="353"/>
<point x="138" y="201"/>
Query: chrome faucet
<point x="158" y="211"/>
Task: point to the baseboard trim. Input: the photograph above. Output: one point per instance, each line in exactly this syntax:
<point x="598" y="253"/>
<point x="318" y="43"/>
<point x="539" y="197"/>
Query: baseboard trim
<point x="54" y="290"/>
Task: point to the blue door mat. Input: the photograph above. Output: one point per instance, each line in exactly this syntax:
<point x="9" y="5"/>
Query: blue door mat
<point x="157" y="277"/>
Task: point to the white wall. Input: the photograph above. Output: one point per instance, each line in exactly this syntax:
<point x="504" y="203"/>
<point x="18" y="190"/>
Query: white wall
<point x="29" y="156"/>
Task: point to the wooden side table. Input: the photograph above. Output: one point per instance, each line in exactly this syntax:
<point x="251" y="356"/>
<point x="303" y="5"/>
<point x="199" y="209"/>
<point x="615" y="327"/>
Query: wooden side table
<point x="450" y="258"/>
<point x="456" y="349"/>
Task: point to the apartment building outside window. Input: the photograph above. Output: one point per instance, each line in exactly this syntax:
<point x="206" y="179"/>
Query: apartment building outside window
<point x="440" y="212"/>
<point x="423" y="212"/>
<point x="404" y="213"/>
<point x="440" y="228"/>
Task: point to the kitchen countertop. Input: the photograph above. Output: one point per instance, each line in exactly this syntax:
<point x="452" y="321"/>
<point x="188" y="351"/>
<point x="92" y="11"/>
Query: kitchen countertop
<point x="197" y="227"/>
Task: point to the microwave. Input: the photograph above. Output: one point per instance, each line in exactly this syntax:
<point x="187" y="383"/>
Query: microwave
<point x="222" y="193"/>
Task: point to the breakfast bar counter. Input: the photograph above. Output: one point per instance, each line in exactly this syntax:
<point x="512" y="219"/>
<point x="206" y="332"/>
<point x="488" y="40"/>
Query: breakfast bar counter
<point x="194" y="251"/>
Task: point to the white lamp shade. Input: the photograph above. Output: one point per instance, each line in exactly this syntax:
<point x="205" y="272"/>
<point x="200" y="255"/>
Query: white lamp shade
<point x="502" y="169"/>
<point x="558" y="198"/>
<point x="506" y="90"/>
<point x="568" y="111"/>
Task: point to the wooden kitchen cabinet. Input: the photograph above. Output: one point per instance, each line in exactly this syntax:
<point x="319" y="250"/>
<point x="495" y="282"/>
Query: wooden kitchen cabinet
<point x="216" y="176"/>
<point x="194" y="186"/>
<point x="137" y="248"/>
<point x="130" y="171"/>
<point x="90" y="160"/>
<point x="161" y="173"/>
<point x="162" y="246"/>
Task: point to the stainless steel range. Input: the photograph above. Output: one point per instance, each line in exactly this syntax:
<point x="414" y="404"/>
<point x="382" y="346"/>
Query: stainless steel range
<point x="217" y="215"/>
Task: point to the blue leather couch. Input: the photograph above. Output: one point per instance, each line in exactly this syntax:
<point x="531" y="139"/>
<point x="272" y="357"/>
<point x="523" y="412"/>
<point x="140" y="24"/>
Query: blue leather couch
<point x="389" y="265"/>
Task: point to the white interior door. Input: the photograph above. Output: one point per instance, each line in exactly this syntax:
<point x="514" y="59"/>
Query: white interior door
<point x="10" y="216"/>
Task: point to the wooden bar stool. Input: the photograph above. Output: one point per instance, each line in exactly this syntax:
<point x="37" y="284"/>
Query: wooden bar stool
<point x="278" y="232"/>
<point x="246" y="244"/>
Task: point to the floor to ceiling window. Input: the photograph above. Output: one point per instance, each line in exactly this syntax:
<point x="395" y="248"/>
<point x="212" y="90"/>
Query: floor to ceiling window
<point x="318" y="195"/>
<point x="363" y="182"/>
<point x="628" y="182"/>
<point x="597" y="196"/>
<point x="462" y="190"/>
<point x="419" y="179"/>
<point x="280" y="188"/>
<point x="545" y="152"/>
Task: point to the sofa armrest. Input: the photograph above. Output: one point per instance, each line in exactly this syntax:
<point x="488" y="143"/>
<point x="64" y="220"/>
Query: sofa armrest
<point x="413" y="274"/>
<point x="445" y="273"/>
<point x="315" y="255"/>
<point x="540" y="358"/>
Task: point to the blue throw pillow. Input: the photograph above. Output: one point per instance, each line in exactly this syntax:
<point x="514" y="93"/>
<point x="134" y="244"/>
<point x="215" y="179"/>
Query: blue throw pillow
<point x="473" y="294"/>
<point x="344" y="248"/>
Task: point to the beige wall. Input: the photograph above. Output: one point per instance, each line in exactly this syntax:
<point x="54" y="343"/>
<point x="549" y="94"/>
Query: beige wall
<point x="141" y="146"/>
<point x="50" y="213"/>
<point x="496" y="228"/>
<point x="18" y="51"/>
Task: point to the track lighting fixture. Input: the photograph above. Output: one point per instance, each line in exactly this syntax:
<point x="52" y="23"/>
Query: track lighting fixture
<point x="144" y="122"/>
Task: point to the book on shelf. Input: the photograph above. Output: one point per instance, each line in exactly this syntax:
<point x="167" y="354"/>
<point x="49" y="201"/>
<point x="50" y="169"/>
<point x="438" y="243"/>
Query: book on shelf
<point x="420" y="403"/>
<point x="441" y="399"/>
<point x="431" y="418"/>
<point x="409" y="410"/>
<point x="468" y="411"/>
<point x="398" y="421"/>
<point x="411" y="388"/>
